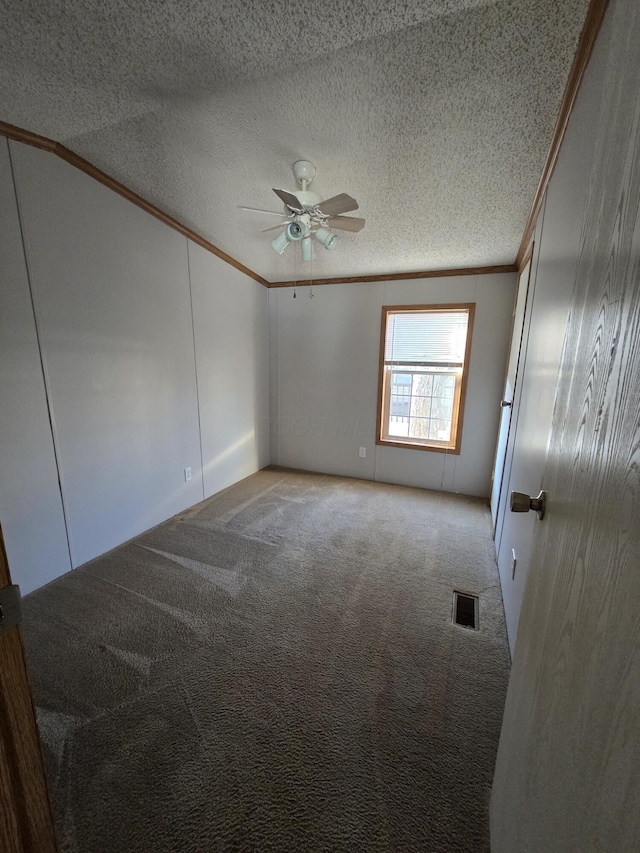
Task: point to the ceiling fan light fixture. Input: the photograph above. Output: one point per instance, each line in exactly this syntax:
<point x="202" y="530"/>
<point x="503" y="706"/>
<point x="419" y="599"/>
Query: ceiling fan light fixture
<point x="280" y="243"/>
<point x="310" y="216"/>
<point x="307" y="248"/>
<point x="326" y="238"/>
<point x="294" y="232"/>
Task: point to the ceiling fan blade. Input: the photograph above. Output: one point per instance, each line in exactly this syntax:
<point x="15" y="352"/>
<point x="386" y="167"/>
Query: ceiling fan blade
<point x="346" y="223"/>
<point x="259" y="210"/>
<point x="338" y="204"/>
<point x="290" y="200"/>
<point x="272" y="228"/>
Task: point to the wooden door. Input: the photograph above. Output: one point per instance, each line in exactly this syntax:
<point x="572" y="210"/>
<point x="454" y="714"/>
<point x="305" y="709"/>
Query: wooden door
<point x="26" y="819"/>
<point x="567" y="774"/>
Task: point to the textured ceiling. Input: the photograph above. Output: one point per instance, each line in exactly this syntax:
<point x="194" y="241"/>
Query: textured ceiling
<point x="436" y="115"/>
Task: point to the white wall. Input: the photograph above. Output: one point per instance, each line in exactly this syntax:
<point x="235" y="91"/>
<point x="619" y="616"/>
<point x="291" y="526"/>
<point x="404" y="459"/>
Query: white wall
<point x="113" y="313"/>
<point x="324" y="374"/>
<point x="31" y="511"/>
<point x="230" y="316"/>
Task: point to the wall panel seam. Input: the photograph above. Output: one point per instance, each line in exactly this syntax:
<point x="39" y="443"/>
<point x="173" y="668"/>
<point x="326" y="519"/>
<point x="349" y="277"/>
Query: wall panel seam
<point x="195" y="366"/>
<point x="43" y="364"/>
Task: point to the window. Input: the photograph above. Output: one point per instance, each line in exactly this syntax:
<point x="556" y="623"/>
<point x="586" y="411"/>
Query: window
<point x="423" y="371"/>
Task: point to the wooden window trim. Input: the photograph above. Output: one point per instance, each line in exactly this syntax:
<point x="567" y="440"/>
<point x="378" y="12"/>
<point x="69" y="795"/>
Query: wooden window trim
<point x="384" y="388"/>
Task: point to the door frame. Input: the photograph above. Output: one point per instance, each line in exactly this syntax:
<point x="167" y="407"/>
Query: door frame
<point x="514" y="363"/>
<point x="26" y="817"/>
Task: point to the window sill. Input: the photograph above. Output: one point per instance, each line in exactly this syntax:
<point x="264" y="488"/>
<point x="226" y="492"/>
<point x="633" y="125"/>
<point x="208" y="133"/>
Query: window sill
<point x="411" y="445"/>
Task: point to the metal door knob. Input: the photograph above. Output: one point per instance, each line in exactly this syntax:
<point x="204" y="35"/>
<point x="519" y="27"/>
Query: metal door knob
<point x="523" y="503"/>
<point x="505" y="404"/>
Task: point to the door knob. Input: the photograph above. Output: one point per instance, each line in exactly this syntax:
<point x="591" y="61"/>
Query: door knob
<point x="505" y="404"/>
<point x="523" y="503"/>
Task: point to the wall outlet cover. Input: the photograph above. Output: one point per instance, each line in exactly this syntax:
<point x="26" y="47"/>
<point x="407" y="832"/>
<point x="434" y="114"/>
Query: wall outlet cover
<point x="362" y="452"/>
<point x="187" y="474"/>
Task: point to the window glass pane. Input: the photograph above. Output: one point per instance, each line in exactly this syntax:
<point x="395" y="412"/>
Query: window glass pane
<point x="419" y="427"/>
<point x="422" y="384"/>
<point x="444" y="386"/>
<point x="442" y="408"/>
<point x="421" y="404"/>
<point x="420" y="397"/>
<point x="398" y="427"/>
<point x="439" y="429"/>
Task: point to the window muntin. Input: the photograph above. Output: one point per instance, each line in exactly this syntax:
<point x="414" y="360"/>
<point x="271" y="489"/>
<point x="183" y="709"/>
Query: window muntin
<point x="425" y="352"/>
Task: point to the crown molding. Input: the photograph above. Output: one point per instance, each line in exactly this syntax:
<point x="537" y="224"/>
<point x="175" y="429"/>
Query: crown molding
<point x="397" y="276"/>
<point x="588" y="36"/>
<point x="29" y="138"/>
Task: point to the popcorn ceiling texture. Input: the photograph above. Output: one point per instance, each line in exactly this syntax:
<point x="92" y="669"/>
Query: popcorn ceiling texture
<point x="436" y="116"/>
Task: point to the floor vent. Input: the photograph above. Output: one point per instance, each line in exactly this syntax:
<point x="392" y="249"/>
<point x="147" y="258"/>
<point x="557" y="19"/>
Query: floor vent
<point x="465" y="610"/>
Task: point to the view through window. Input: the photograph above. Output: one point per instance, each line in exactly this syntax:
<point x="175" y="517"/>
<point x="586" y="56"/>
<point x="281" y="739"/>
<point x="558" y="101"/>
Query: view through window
<point x="424" y="363"/>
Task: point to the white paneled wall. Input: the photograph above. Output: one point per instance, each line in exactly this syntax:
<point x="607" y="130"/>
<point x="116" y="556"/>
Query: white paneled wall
<point x="112" y="303"/>
<point x="31" y="510"/>
<point x="324" y="372"/>
<point x="230" y="317"/>
<point x="113" y="312"/>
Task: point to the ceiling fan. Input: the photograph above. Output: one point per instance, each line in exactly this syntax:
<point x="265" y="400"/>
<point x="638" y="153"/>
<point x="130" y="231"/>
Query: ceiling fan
<point x="308" y="216"/>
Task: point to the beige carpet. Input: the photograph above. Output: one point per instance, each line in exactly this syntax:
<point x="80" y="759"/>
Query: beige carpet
<point x="276" y="670"/>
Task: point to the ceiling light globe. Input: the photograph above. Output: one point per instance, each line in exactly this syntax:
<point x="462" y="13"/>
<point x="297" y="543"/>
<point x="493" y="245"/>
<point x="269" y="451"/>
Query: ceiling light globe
<point x="280" y="243"/>
<point x="307" y="249"/>
<point x="328" y="240"/>
<point x="294" y="231"/>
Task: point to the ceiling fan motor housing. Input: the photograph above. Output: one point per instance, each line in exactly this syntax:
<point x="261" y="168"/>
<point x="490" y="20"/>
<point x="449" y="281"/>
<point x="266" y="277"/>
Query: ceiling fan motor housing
<point x="303" y="170"/>
<point x="308" y="199"/>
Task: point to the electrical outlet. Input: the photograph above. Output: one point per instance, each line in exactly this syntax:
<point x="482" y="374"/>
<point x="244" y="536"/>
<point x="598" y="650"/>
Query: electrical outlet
<point x="187" y="474"/>
<point x="362" y="452"/>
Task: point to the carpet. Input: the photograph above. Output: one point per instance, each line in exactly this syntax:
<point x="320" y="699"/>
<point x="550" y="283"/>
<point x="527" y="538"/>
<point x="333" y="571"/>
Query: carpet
<point x="276" y="669"/>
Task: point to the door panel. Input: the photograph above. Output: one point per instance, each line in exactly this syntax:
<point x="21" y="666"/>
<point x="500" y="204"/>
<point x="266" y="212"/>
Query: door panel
<point x="26" y="822"/>
<point x="557" y="247"/>
<point x="550" y="310"/>
<point x="503" y="498"/>
<point x="509" y="390"/>
<point x="567" y="768"/>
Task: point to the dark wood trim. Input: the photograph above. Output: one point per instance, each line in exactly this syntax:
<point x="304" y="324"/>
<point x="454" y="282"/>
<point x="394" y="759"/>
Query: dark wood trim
<point x="26" y="817"/>
<point x="592" y="24"/>
<point x="397" y="276"/>
<point x="525" y="260"/>
<point x="383" y="335"/>
<point x="458" y="414"/>
<point x="407" y="445"/>
<point x="465" y="377"/>
<point x="28" y="138"/>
